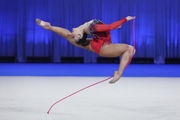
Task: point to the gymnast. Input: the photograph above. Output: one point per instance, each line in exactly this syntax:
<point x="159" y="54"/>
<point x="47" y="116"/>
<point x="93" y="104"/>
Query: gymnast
<point x="100" y="42"/>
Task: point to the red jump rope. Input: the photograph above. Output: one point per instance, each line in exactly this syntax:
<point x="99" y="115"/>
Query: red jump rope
<point x="134" y="37"/>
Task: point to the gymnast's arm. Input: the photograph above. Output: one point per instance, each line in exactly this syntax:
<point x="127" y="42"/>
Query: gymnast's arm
<point x="112" y="26"/>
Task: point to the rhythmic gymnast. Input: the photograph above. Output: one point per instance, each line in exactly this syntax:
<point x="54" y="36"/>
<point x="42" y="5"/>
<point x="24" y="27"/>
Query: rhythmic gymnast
<point x="100" y="42"/>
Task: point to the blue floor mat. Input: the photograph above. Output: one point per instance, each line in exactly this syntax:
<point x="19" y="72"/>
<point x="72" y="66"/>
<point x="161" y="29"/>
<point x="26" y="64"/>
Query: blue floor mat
<point x="52" y="69"/>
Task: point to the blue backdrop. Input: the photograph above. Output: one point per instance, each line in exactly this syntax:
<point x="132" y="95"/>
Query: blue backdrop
<point x="157" y="27"/>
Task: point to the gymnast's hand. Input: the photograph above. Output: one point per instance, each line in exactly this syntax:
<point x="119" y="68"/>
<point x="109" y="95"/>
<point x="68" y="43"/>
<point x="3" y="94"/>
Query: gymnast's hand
<point x="130" y="17"/>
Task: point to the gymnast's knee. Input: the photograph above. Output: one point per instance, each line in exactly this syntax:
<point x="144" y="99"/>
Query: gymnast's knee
<point x="131" y="49"/>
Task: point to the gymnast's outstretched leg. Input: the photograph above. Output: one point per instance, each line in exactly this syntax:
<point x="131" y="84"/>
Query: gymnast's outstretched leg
<point x="58" y="30"/>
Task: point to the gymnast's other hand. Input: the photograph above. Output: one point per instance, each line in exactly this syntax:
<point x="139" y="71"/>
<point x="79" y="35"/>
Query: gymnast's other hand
<point x="130" y="17"/>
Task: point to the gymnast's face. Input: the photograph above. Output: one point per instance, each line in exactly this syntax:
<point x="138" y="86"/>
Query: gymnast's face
<point x="76" y="34"/>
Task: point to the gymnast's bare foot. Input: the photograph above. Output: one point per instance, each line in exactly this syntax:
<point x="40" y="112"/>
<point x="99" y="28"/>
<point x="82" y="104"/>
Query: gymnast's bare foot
<point x="117" y="76"/>
<point x="45" y="25"/>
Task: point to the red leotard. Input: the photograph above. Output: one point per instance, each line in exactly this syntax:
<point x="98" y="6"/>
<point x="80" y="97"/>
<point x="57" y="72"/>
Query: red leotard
<point x="101" y="33"/>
